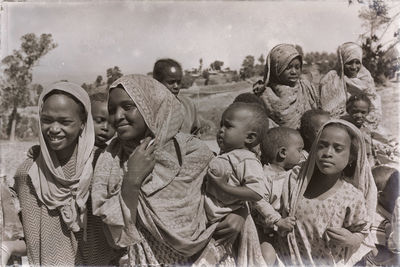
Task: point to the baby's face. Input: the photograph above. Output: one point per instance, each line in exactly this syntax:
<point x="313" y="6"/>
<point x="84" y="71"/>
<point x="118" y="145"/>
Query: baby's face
<point x="294" y="149"/>
<point x="102" y="128"/>
<point x="172" y="78"/>
<point x="358" y="112"/>
<point x="234" y="129"/>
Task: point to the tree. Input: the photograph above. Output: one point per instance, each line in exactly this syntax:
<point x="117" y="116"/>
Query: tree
<point x="18" y="72"/>
<point x="99" y="81"/>
<point x="247" y="70"/>
<point x="216" y="65"/>
<point x="379" y="38"/>
<point x="113" y="74"/>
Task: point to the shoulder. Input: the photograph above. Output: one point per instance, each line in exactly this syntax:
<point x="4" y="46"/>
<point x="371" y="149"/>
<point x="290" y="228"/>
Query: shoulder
<point x="186" y="102"/>
<point x="191" y="146"/>
<point x="22" y="172"/>
<point x="327" y="77"/>
<point x="351" y="191"/>
<point x="242" y="155"/>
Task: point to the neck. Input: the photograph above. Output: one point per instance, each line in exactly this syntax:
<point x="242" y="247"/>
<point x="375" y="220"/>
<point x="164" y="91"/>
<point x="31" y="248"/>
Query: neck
<point x="65" y="155"/>
<point x="280" y="164"/>
<point x="320" y="183"/>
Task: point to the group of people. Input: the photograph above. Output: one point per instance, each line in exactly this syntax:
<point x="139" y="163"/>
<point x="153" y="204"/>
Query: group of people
<point x="296" y="181"/>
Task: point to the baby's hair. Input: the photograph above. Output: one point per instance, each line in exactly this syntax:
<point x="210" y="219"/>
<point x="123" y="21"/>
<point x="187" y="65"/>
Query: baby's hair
<point x="99" y="97"/>
<point x="358" y="97"/>
<point x="82" y="110"/>
<point x="161" y="65"/>
<point x="251" y="98"/>
<point x="349" y="170"/>
<point x="273" y="140"/>
<point x="306" y="130"/>
<point x="258" y="121"/>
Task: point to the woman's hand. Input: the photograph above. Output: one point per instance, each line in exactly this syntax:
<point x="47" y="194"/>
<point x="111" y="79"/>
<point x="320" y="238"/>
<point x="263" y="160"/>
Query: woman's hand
<point x="343" y="237"/>
<point x="229" y="228"/>
<point x="141" y="163"/>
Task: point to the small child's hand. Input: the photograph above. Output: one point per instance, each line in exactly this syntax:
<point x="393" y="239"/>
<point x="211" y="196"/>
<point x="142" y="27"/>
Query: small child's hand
<point x="285" y="225"/>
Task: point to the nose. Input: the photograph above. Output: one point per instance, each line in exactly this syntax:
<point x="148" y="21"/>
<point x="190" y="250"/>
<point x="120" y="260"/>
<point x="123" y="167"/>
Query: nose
<point x="328" y="151"/>
<point x="54" y="128"/>
<point x="119" y="115"/>
<point x="104" y="125"/>
<point x="175" y="85"/>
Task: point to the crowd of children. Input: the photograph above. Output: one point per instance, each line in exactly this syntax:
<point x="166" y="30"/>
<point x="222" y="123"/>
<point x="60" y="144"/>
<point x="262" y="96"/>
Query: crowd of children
<point x="297" y="181"/>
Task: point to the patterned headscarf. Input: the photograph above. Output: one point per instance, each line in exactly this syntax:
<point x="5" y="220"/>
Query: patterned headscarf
<point x="160" y="109"/>
<point x="68" y="195"/>
<point x="277" y="61"/>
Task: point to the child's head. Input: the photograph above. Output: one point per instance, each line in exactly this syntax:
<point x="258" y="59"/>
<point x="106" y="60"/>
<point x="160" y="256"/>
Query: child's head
<point x="282" y="146"/>
<point x="310" y="123"/>
<point x="250" y="98"/>
<point x="241" y="126"/>
<point x="358" y="106"/>
<point x="169" y="73"/>
<point x="337" y="150"/>
<point x="62" y="119"/>
<point x="387" y="183"/>
<point x="102" y="128"/>
<point x="125" y="116"/>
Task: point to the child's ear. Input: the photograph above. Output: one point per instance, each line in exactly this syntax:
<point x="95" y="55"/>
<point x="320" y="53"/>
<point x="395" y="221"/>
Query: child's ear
<point x="282" y="152"/>
<point x="251" y="137"/>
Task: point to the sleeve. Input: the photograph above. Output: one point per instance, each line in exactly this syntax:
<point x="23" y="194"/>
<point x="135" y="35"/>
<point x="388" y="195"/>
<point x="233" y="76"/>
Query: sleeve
<point x="253" y="175"/>
<point x="356" y="219"/>
<point x="263" y="206"/>
<point x="108" y="204"/>
<point x="12" y="226"/>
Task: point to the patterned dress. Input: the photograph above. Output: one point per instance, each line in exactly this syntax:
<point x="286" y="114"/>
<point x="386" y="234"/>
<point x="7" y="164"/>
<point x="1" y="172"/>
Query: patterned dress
<point x="341" y="206"/>
<point x="48" y="239"/>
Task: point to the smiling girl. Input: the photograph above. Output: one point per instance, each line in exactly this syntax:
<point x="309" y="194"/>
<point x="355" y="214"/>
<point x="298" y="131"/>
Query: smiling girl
<point x="53" y="184"/>
<point x="286" y="95"/>
<point x="333" y="200"/>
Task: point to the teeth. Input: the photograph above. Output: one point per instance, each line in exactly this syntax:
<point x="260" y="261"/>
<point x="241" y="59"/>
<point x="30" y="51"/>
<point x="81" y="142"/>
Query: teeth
<point x="55" y="138"/>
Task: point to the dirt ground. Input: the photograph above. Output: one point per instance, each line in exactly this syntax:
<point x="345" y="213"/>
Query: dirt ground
<point x="210" y="107"/>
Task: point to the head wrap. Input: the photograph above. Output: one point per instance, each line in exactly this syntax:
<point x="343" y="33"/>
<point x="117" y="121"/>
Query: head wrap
<point x="68" y="195"/>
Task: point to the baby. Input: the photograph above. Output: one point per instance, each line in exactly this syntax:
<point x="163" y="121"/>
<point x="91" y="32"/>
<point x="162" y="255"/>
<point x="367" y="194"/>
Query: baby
<point x="104" y="131"/>
<point x="281" y="149"/>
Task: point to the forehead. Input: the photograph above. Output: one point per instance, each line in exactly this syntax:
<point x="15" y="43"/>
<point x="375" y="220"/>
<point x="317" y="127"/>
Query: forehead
<point x="99" y="107"/>
<point x="238" y="113"/>
<point x="295" y="139"/>
<point x="360" y="104"/>
<point x="318" y="120"/>
<point x="172" y="72"/>
<point x="118" y="95"/>
<point x="60" y="105"/>
<point x="335" y="134"/>
<point x="295" y="61"/>
<point x="355" y="60"/>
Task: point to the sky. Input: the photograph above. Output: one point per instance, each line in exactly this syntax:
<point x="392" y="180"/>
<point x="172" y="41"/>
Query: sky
<point x="93" y="36"/>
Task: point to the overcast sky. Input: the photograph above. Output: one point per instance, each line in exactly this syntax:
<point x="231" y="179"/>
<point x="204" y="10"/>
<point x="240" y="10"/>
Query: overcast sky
<point x="93" y="36"/>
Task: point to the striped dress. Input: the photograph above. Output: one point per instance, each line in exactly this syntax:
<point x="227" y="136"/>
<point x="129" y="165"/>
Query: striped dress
<point x="48" y="240"/>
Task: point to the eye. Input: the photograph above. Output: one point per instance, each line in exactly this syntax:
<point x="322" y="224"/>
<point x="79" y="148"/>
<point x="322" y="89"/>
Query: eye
<point x="45" y="120"/>
<point x="127" y="107"/>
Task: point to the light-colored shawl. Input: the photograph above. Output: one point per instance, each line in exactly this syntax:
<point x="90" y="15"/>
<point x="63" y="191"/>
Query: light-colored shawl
<point x="285" y="104"/>
<point x="68" y="195"/>
<point x="170" y="204"/>
<point x="362" y="180"/>
<point x="335" y="87"/>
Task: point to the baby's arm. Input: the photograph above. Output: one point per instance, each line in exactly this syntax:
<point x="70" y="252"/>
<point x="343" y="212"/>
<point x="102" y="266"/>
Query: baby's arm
<point x="218" y="175"/>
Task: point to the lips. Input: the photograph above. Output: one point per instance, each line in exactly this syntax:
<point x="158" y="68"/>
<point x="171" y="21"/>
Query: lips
<point x="55" y="138"/>
<point x="326" y="163"/>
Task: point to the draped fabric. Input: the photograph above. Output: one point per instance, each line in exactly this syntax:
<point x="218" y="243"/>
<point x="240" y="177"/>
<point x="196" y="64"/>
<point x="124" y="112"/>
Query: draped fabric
<point x="53" y="188"/>
<point x="285" y="104"/>
<point x="335" y="87"/>
<point x="362" y="180"/>
<point x="170" y="207"/>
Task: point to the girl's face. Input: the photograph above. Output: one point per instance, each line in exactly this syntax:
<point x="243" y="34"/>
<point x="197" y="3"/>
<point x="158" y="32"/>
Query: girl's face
<point x="125" y="116"/>
<point x="172" y="77"/>
<point x="352" y="68"/>
<point x="333" y="152"/>
<point x="61" y="123"/>
<point x="291" y="74"/>
<point x="358" y="111"/>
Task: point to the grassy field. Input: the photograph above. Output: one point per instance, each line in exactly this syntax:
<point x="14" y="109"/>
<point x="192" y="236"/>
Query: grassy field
<point x="211" y="107"/>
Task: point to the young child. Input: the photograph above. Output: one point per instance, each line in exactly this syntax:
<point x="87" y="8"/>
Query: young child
<point x="310" y="123"/>
<point x="169" y="73"/>
<point x="333" y="200"/>
<point x="358" y="107"/>
<point x="103" y="130"/>
<point x="286" y="95"/>
<point x="387" y="183"/>
<point x="240" y="131"/>
<point x="281" y="149"/>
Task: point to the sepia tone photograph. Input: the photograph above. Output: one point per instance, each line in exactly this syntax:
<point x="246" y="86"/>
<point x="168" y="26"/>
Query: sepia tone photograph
<point x="200" y="133"/>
